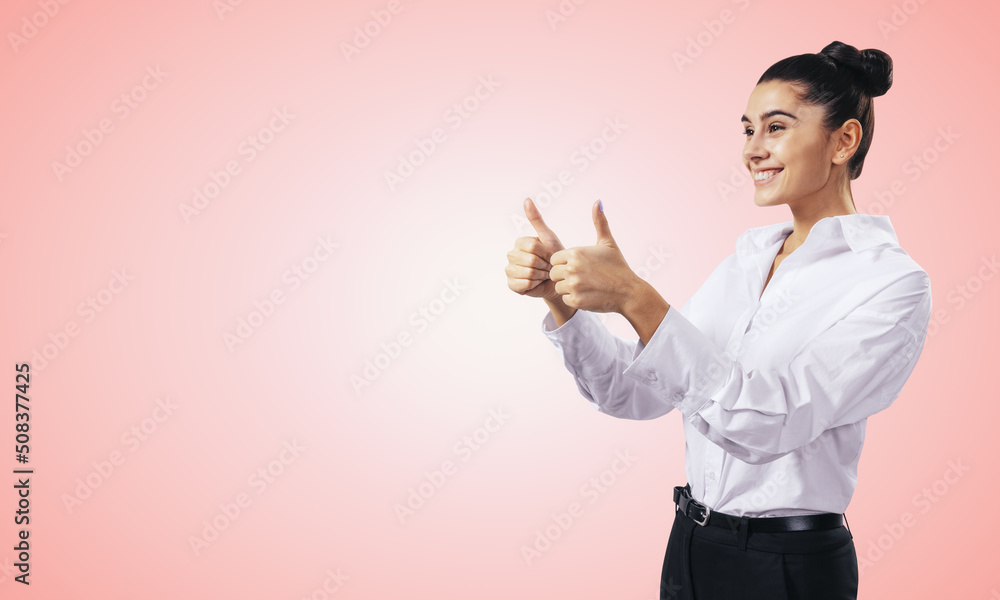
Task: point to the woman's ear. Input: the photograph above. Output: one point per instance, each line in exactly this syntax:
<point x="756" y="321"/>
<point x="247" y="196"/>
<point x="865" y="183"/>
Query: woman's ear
<point x="848" y="137"/>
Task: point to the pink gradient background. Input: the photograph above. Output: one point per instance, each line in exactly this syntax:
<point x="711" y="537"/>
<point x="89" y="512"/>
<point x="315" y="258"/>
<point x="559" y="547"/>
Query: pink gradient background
<point x="332" y="508"/>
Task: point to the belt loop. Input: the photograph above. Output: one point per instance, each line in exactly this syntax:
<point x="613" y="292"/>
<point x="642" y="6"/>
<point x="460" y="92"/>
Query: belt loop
<point x="744" y="526"/>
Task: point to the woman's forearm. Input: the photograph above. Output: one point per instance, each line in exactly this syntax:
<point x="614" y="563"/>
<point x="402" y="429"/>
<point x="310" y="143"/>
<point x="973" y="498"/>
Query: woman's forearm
<point x="561" y="312"/>
<point x="644" y="310"/>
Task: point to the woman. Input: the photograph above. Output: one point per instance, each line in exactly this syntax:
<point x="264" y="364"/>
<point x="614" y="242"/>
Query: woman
<point x="775" y="367"/>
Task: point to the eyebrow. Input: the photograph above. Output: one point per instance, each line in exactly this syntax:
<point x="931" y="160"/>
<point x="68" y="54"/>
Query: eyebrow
<point x="771" y="113"/>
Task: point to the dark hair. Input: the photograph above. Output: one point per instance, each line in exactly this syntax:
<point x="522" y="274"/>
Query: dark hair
<point x="842" y="80"/>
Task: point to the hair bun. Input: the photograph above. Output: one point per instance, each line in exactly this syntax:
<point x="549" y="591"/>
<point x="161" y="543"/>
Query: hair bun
<point x="872" y="67"/>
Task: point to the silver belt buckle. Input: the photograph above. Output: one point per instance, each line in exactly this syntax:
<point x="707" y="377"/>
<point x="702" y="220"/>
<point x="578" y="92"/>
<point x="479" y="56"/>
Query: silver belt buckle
<point x="688" y="501"/>
<point x="708" y="511"/>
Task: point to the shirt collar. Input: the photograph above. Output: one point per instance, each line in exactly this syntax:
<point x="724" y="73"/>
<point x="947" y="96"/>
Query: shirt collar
<point x="857" y="231"/>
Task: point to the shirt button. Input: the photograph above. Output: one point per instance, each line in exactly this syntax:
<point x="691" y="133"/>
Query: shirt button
<point x="710" y="476"/>
<point x="651" y="377"/>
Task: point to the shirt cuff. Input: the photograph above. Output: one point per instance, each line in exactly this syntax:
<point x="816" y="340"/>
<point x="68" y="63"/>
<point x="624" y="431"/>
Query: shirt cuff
<point x="583" y="342"/>
<point x="681" y="364"/>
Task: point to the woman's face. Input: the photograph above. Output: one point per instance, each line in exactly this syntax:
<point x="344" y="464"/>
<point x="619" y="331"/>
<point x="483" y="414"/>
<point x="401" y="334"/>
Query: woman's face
<point x="785" y="140"/>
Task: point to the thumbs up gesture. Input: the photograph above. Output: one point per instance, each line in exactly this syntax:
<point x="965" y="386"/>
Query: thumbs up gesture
<point x="528" y="263"/>
<point x="594" y="278"/>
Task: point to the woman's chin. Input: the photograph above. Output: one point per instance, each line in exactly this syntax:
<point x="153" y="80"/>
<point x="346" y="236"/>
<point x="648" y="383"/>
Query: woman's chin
<point x="766" y="200"/>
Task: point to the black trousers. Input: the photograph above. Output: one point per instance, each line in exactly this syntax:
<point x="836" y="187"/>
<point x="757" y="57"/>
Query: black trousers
<point x="706" y="563"/>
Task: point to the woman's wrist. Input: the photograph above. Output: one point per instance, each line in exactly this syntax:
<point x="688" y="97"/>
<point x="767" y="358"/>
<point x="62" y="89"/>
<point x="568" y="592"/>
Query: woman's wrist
<point x="561" y="311"/>
<point x="644" y="308"/>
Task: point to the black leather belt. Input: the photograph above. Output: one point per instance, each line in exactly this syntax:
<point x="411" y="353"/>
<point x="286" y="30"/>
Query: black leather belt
<point x="703" y="515"/>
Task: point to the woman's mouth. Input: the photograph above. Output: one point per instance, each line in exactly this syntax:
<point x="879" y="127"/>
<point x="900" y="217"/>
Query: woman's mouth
<point x="764" y="177"/>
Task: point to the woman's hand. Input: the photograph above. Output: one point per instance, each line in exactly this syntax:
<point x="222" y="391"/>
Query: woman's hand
<point x="594" y="278"/>
<point x="528" y="263"/>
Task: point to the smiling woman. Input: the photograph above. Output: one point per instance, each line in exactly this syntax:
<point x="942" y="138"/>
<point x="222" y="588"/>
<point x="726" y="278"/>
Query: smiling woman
<point x="775" y="371"/>
<point x="806" y="108"/>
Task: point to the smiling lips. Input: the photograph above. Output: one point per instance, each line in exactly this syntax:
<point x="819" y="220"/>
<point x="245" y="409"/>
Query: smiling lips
<point x="765" y="174"/>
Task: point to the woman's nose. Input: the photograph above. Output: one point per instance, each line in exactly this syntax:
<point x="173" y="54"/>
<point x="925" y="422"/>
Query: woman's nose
<point x="754" y="148"/>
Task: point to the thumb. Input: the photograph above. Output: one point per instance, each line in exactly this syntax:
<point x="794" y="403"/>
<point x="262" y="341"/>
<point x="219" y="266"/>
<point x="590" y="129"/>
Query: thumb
<point x="601" y="224"/>
<point x="546" y="235"/>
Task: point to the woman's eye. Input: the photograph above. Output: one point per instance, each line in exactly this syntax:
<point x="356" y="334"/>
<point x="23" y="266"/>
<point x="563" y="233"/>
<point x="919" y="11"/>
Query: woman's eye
<point x="772" y="128"/>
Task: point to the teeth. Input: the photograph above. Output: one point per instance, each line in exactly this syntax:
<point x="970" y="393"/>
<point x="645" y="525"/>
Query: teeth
<point x="762" y="175"/>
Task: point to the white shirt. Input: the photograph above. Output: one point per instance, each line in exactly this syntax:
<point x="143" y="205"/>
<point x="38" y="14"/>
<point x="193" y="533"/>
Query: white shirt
<point x="774" y="391"/>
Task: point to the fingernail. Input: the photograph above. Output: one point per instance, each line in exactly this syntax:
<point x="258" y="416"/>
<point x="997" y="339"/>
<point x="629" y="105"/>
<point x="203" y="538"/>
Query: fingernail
<point x="600" y="205"/>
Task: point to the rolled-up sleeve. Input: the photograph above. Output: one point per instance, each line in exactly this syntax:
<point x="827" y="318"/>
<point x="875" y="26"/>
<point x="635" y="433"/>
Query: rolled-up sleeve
<point x="597" y="360"/>
<point x="851" y="370"/>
